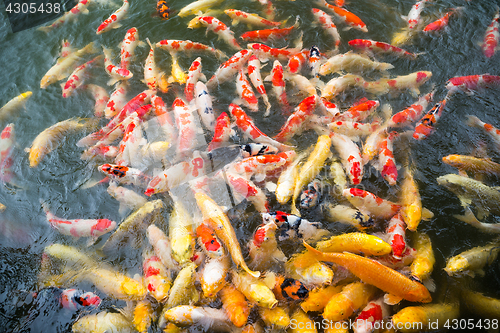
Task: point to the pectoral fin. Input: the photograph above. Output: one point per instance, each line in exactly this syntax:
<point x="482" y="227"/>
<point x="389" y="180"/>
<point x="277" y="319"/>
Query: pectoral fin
<point x="391" y="299"/>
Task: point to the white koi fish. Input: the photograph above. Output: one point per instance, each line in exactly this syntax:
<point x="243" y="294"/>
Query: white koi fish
<point x="117" y="100"/>
<point x="150" y="71"/>
<point x="129" y="43"/>
<point x="204" y="106"/>
<point x="352" y="62"/>
<point x="101" y="98"/>
<point x="128" y="198"/>
<point x="413" y="17"/>
<point x="71" y="15"/>
<point x="113" y="21"/>
<point x="194" y="74"/>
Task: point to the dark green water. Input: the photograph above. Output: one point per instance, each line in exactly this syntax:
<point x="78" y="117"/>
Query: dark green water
<point x="27" y="55"/>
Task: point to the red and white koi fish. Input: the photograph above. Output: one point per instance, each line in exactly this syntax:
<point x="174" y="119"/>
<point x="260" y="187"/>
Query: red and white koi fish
<point x="296" y="61"/>
<point x="491" y="37"/>
<point x="396" y="231"/>
<point x="113" y="21"/>
<point x="345" y="16"/>
<point x="74" y="299"/>
<point x="117" y="100"/>
<point x="249" y="18"/>
<point x="204" y="106"/>
<point x="353" y="130"/>
<point x="265" y="35"/>
<point x="245" y="123"/>
<point x="194" y="74"/>
<point x="66" y="49"/>
<point x="360" y="110"/>
<point x="186" y="125"/>
<point x="387" y="163"/>
<point x="256" y="79"/>
<point x="328" y="108"/>
<point x="263" y="248"/>
<point x="124" y="175"/>
<point x="209" y="242"/>
<point x="129" y="147"/>
<point x="156" y="278"/>
<point x="296" y="120"/>
<point x="129" y="43"/>
<point x="259" y="164"/>
<point x="411" y="81"/>
<point x="279" y="84"/>
<point x="314" y="60"/>
<point x="426" y="126"/>
<point x="264" y="52"/>
<point x="371" y="204"/>
<point x="443" y="21"/>
<point x="371" y="316"/>
<point x="350" y="156"/>
<point x="71" y="15"/>
<point x="327" y="24"/>
<point x="413" y="17"/>
<point x="472" y="82"/>
<point x="492" y="131"/>
<point x="165" y="119"/>
<point x="380" y="47"/>
<point x="101" y="98"/>
<point x="79" y="227"/>
<point x="6" y="148"/>
<point x="229" y="68"/>
<point x="241" y="186"/>
<point x="412" y="113"/>
<point x="102" y="151"/>
<point x="224" y="33"/>
<point x="245" y="91"/>
<point x="222" y="132"/>
<point x="114" y="71"/>
<point x="150" y="71"/>
<point x="78" y="76"/>
<point x="174" y="45"/>
<point x="169" y="178"/>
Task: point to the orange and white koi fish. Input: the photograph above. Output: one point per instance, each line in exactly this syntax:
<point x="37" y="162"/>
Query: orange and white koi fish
<point x="186" y="124"/>
<point x="131" y="144"/>
<point x="353" y="130"/>
<point x="249" y="19"/>
<point x="360" y="110"/>
<point x="352" y="298"/>
<point x="412" y="113"/>
<point x="296" y="120"/>
<point x="197" y="6"/>
<point x="66" y="49"/>
<point x="267" y="34"/>
<point x="165" y="119"/>
<point x="71" y="15"/>
<point x="123" y="174"/>
<point x="129" y="43"/>
<point x="345" y="16"/>
<point x="396" y="231"/>
<point x="370" y="203"/>
<point x="14" y="105"/>
<point x="101" y="98"/>
<point x="472" y="164"/>
<point x="327" y="24"/>
<point x="296" y="61"/>
<point x="387" y="162"/>
<point x="215" y="218"/>
<point x="213" y="275"/>
<point x="150" y="71"/>
<point x="371" y="316"/>
<point x="442" y="22"/>
<point x="472" y="82"/>
<point x="263" y="248"/>
<point x="256" y="79"/>
<point x="264" y="52"/>
<point x="79" y="227"/>
<point x="77" y="78"/>
<point x="169" y="178"/>
<point x="117" y="100"/>
<point x="279" y="84"/>
<point x="259" y="164"/>
<point x="426" y="126"/>
<point x="114" y="71"/>
<point x="66" y="65"/>
<point x="489" y="129"/>
<point x="241" y="186"/>
<point x="339" y="84"/>
<point x="156" y="278"/>
<point x="413" y="17"/>
<point x="352" y="62"/>
<point x="380" y="47"/>
<point x="245" y="91"/>
<point x="229" y="68"/>
<point x="113" y="21"/>
<point x="224" y="33"/>
<point x="194" y="74"/>
<point x="174" y="45"/>
<point x="204" y="106"/>
<point x="411" y="81"/>
<point x="222" y="132"/>
<point x="376" y="274"/>
<point x="350" y="155"/>
<point x="245" y="123"/>
<point x="491" y="37"/>
<point x="208" y="242"/>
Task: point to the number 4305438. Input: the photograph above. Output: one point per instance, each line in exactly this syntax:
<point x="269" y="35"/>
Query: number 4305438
<point x="25" y="8"/>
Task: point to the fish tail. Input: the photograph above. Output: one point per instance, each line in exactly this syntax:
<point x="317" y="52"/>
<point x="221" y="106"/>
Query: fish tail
<point x="255" y="274"/>
<point x="471" y="121"/>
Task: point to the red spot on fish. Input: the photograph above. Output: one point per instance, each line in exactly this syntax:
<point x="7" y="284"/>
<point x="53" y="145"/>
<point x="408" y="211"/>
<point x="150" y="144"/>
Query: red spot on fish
<point x="374" y="312"/>
<point x="259" y="236"/>
<point x="101" y="225"/>
<point x="421" y="76"/>
<point x="398" y="245"/>
<point x="358" y="192"/>
<point x="392" y="83"/>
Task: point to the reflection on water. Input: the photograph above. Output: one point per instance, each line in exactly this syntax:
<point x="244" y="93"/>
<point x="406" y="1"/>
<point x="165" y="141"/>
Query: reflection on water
<point x="61" y="177"/>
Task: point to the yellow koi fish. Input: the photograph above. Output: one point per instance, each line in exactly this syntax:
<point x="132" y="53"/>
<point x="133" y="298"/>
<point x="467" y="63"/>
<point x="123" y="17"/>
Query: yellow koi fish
<point x="14" y="105"/>
<point x="353" y="297"/>
<point x="103" y="322"/>
<point x="196" y="7"/>
<point x="473" y="261"/>
<point x="355" y="242"/>
<point x="419" y="318"/>
<point x="254" y="289"/>
<point x="318" y="298"/>
<point x="422" y="265"/>
<point x="181" y="234"/>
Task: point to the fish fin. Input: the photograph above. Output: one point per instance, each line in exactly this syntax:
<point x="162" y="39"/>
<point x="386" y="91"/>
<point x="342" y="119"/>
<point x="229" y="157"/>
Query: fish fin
<point x="346" y="28"/>
<point x="271" y="187"/>
<point x="468" y="217"/>
<point x="391" y="299"/>
<point x="429" y="284"/>
<point x="482" y="212"/>
<point x="118" y="25"/>
<point x="235" y="22"/>
<point x="268" y="78"/>
<point x="112" y="81"/>
<point x="123" y="209"/>
<point x="27" y="150"/>
<point x="203" y="77"/>
<point x="91" y="241"/>
<point x="465" y="202"/>
<point x="415" y="92"/>
<point x="427" y="214"/>
<point x="463" y="173"/>
<point x="261" y="176"/>
<point x="84" y="11"/>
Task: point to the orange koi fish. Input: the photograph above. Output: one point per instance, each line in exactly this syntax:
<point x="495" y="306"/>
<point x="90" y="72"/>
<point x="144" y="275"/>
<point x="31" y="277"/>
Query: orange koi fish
<point x="267" y="34"/>
<point x="387" y="163"/>
<point x="222" y="132"/>
<point x="345" y="16"/>
<point x="245" y="91"/>
<point x="443" y="21"/>
<point x="279" y="84"/>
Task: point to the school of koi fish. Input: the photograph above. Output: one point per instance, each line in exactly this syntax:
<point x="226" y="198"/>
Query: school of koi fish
<point x="339" y="245"/>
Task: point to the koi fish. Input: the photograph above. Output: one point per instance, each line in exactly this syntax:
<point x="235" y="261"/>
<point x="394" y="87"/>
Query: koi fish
<point x="74" y="299"/>
<point x="14" y="105"/>
<point x="161" y="246"/>
<point x="302" y="83"/>
<point x="423" y="315"/>
<point x="355" y="242"/>
<point x="296" y="61"/>
<point x="101" y="98"/>
<point x="117" y="100"/>
<point x="249" y="18"/>
<point x="347" y="215"/>
<point x="180" y="227"/>
<point x="229" y="68"/>
<point x="256" y="79"/>
<point x="413" y="17"/>
<point x="426" y="126"/>
<point x="442" y="21"/>
<point x="314" y="60"/>
<point x="263" y="248"/>
<point x="186" y="124"/>
<point x="178" y="74"/>
<point x="213" y="275"/>
<point x="412" y="113"/>
<point x="169" y="178"/>
<point x="224" y="33"/>
<point x="113" y="21"/>
<point x="129" y="43"/>
<point x="131" y="144"/>
<point x="265" y="35"/>
<point x="204" y="106"/>
<point x="247" y="189"/>
<point x="156" y="278"/>
<point x="255" y="290"/>
<point x="287" y="180"/>
<point x="396" y="230"/>
<point x="79" y="227"/>
<point x="295" y="122"/>
<point x="472" y="164"/>
<point x="235" y="305"/>
<point x="474" y="260"/>
<point x="78" y="76"/>
<point x="127" y="198"/>
<point x="222" y="132"/>
<point x="174" y="45"/>
<point x="387" y="162"/>
<point x="264" y="52"/>
<point x="309" y="271"/>
<point x="102" y="321"/>
<point x="353" y="130"/>
<point x="490" y="130"/>
<point x="345" y="16"/>
<point x="164" y="119"/>
<point x="350" y="155"/>
<point x="277" y="79"/>
<point x="411" y="81"/>
<point x="245" y="91"/>
<point x="411" y="204"/>
<point x="359" y="111"/>
<point x="114" y="71"/>
<point x="370" y="203"/>
<point x="371" y="315"/>
<point x="380" y="47"/>
<point x="491" y="37"/>
<point x="189" y="315"/>
<point x="197" y="6"/>
<point x="6" y="149"/>
<point x="309" y="198"/>
<point x="351" y="298"/>
<point x="302" y="320"/>
<point x="219" y="222"/>
<point x="150" y="71"/>
<point x="294" y="227"/>
<point x="163" y="9"/>
<point x="376" y="274"/>
<point x="71" y="15"/>
<point x="339" y="84"/>
<point x="209" y="242"/>
<point x="424" y="261"/>
<point x="194" y="74"/>
<point x="352" y="62"/>
<point x="327" y="24"/>
<point x="472" y="82"/>
<point x="318" y="298"/>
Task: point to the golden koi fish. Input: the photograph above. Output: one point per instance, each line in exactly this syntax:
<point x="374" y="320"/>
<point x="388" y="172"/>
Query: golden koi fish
<point x="13" y="105"/>
<point x="181" y="234"/>
<point x="355" y="242"/>
<point x="420" y="317"/>
<point x="473" y="261"/>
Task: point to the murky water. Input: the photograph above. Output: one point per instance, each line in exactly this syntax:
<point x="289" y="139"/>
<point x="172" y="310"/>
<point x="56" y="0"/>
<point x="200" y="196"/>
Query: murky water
<point x="27" y="55"/>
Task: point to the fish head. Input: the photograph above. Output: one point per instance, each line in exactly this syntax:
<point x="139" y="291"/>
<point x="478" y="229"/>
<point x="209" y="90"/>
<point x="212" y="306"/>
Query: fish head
<point x="35" y="157"/>
<point x="88" y="299"/>
<point x="452" y="182"/>
<point x="159" y="287"/>
<point x="456" y="265"/>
